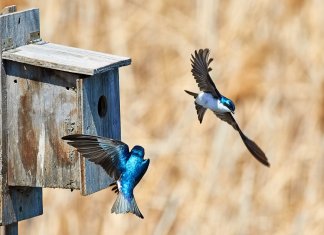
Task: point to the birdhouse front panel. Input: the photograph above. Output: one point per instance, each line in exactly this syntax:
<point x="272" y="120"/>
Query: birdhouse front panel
<point x="43" y="106"/>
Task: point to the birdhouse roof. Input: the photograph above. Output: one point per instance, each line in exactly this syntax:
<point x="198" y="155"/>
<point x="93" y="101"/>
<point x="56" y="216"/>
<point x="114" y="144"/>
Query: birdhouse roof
<point x="64" y="58"/>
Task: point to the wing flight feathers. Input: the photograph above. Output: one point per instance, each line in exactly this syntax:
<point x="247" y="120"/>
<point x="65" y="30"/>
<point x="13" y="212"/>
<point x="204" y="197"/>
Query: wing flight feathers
<point x="200" y="71"/>
<point x="110" y="154"/>
<point x="254" y="149"/>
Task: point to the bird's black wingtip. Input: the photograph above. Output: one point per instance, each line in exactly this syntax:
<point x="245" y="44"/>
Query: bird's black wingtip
<point x="255" y="150"/>
<point x="73" y="136"/>
<point x="264" y="162"/>
<point x="261" y="158"/>
<point x="65" y="137"/>
<point x="68" y="137"/>
<point x="201" y="50"/>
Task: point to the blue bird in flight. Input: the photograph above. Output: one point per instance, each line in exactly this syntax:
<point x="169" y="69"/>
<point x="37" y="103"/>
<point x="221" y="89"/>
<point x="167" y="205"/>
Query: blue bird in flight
<point x="211" y="98"/>
<point x="124" y="167"/>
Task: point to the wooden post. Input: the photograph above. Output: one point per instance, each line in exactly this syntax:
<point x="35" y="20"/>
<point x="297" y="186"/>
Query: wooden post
<point x="11" y="229"/>
<point x="16" y="203"/>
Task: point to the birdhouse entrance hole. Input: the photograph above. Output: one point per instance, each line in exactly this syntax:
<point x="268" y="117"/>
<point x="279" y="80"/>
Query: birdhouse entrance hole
<point x="102" y="106"/>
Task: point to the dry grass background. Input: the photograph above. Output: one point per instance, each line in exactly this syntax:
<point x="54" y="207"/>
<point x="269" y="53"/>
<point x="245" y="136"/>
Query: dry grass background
<point x="269" y="58"/>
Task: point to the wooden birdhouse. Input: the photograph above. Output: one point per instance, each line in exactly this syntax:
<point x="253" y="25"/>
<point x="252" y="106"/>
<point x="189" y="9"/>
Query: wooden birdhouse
<point x="49" y="91"/>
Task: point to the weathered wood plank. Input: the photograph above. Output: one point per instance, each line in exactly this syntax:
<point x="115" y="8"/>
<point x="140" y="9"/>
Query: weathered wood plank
<point x="15" y="203"/>
<point x="74" y="60"/>
<point x="3" y="142"/>
<point x="18" y="29"/>
<point x="94" y="178"/>
<point x="42" y="106"/>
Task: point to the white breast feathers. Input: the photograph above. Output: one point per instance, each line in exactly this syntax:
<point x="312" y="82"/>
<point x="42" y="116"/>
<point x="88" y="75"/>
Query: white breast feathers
<point x="208" y="101"/>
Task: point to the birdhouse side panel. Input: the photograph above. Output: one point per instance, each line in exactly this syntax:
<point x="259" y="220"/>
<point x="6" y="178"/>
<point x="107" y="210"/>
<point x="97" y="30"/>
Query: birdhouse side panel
<point x="42" y="106"/>
<point x="101" y="116"/>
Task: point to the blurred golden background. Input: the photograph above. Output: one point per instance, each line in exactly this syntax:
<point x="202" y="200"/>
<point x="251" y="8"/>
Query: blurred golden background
<point x="269" y="59"/>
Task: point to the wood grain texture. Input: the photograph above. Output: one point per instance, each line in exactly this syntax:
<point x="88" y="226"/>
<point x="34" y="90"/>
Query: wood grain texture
<point x="94" y="178"/>
<point x="70" y="59"/>
<point x="15" y="203"/>
<point x="17" y="26"/>
<point x="3" y="145"/>
<point x="42" y="105"/>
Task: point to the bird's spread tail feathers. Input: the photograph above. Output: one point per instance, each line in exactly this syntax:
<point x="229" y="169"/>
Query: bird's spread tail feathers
<point x="254" y="149"/>
<point x="191" y="93"/>
<point x="123" y="205"/>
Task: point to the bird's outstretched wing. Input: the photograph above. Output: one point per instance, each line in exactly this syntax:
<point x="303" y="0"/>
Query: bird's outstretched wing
<point x="111" y="154"/>
<point x="254" y="149"/>
<point x="200" y="71"/>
